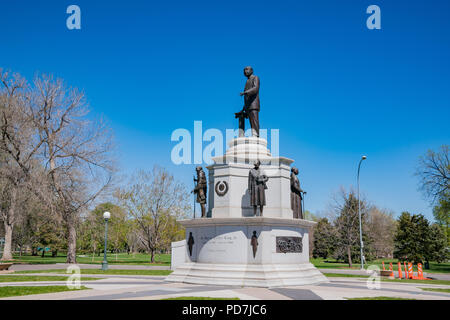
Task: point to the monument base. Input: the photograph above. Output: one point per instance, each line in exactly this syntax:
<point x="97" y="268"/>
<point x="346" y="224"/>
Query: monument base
<point x="247" y="275"/>
<point x="250" y="251"/>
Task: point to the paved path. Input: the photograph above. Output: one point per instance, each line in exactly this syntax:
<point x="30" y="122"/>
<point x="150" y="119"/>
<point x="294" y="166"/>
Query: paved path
<point x="125" y="287"/>
<point x="28" y="267"/>
<point x="436" y="276"/>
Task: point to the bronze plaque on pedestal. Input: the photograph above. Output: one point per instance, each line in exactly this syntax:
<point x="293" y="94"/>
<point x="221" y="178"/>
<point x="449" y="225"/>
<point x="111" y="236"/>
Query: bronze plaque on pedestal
<point x="289" y="244"/>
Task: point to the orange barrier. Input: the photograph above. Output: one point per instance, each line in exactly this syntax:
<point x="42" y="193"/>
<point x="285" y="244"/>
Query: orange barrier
<point x="391" y="268"/>
<point x="400" y="276"/>
<point x="420" y="272"/>
<point x="410" y="271"/>
<point x="406" y="270"/>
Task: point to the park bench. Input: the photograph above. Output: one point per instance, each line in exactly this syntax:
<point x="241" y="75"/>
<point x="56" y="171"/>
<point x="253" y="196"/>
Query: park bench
<point x="385" y="273"/>
<point x="4" y="267"/>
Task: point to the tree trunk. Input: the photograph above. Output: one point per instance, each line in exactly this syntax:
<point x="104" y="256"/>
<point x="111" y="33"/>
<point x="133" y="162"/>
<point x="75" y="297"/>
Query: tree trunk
<point x="71" y="242"/>
<point x="349" y="255"/>
<point x="7" y="252"/>
<point x="8" y="223"/>
<point x="152" y="256"/>
<point x="43" y="252"/>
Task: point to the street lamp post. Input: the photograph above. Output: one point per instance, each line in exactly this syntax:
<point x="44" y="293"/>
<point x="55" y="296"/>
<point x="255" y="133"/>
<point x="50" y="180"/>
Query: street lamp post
<point x="359" y="213"/>
<point x="106" y="216"/>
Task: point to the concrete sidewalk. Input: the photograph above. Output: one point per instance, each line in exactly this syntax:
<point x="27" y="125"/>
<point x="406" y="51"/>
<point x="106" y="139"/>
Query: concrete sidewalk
<point x="435" y="276"/>
<point x="156" y="288"/>
<point x="28" y="267"/>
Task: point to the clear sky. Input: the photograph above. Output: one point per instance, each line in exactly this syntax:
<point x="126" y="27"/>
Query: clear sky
<point x="335" y="89"/>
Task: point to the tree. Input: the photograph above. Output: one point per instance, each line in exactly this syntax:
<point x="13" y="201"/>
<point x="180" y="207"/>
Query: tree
<point x="154" y="199"/>
<point x="412" y="237"/>
<point x="75" y="151"/>
<point x="437" y="246"/>
<point x="45" y="125"/>
<point x="118" y="229"/>
<point x="37" y="227"/>
<point x="16" y="153"/>
<point x="347" y="226"/>
<point x="324" y="239"/>
<point x="441" y="214"/>
<point x="434" y="172"/>
<point x="381" y="228"/>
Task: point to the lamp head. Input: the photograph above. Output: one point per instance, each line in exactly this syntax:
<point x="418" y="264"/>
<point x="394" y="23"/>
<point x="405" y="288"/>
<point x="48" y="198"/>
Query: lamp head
<point x="106" y="215"/>
<point x="364" y="157"/>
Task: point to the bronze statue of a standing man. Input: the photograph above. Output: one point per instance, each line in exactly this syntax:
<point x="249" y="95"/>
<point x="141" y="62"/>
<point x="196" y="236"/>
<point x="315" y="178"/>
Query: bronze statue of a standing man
<point x="251" y="103"/>
<point x="200" y="189"/>
<point x="296" y="195"/>
<point x="256" y="187"/>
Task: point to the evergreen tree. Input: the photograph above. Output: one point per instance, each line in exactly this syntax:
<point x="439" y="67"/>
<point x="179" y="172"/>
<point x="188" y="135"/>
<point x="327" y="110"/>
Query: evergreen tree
<point x="417" y="241"/>
<point x="437" y="246"/>
<point x="324" y="239"/>
<point x="347" y="227"/>
<point x="403" y="236"/>
<point x="441" y="214"/>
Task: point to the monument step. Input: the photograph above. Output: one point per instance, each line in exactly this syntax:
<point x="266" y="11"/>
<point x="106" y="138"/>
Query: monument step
<point x="268" y="275"/>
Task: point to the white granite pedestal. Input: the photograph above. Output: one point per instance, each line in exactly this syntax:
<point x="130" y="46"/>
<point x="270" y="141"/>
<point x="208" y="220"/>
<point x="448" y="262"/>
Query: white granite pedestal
<point x="218" y="250"/>
<point x="222" y="253"/>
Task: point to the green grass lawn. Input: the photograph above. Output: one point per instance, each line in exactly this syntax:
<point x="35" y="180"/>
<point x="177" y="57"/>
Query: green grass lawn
<point x="199" y="298"/>
<point x="23" y="291"/>
<point x="121" y="258"/>
<point x="10" y="278"/>
<point x="332" y="264"/>
<point x="110" y="271"/>
<point x="344" y="275"/>
<point x="379" y="298"/>
<point x="437" y="289"/>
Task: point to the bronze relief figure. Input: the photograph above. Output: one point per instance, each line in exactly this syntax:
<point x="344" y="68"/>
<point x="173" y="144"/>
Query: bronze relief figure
<point x="254" y="243"/>
<point x="190" y="243"/>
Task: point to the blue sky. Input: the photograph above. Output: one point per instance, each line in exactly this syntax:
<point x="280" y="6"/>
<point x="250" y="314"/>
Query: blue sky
<point x="335" y="89"/>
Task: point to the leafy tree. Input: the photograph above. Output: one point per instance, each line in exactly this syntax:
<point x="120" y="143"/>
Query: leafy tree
<point x="310" y="216"/>
<point x="92" y="230"/>
<point x="324" y="239"/>
<point x="437" y="246"/>
<point x="417" y="241"/>
<point x="50" y="234"/>
<point x="441" y="214"/>
<point x="154" y="199"/>
<point x="117" y="230"/>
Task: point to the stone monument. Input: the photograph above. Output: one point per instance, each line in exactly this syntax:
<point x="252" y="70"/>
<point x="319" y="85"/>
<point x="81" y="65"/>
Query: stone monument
<point x="234" y="246"/>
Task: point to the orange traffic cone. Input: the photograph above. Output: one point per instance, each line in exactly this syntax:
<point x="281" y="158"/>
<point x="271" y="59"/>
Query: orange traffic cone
<point x="383" y="266"/>
<point x="406" y="270"/>
<point x="400" y="276"/>
<point x="391" y="268"/>
<point x="420" y="272"/>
